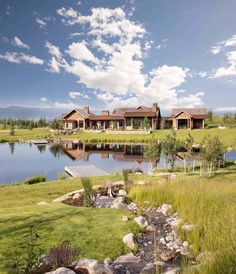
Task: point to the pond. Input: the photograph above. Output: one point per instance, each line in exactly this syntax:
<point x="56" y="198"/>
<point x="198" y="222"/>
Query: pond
<point x="21" y="161"/>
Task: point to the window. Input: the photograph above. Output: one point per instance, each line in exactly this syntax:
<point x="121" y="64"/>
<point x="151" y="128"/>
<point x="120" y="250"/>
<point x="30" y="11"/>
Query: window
<point x="128" y="122"/>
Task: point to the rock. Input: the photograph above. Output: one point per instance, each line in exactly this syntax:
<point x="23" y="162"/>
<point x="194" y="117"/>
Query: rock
<point x="125" y="218"/>
<point x="62" y="270"/>
<point x="128" y="260"/>
<point x="42" y="203"/>
<point x="149" y="269"/>
<point x="108" y="261"/>
<point x="141" y="221"/>
<point x="92" y="267"/>
<point x="122" y="193"/>
<point x="77" y="196"/>
<point x="151" y="228"/>
<point x="185" y="244"/>
<point x="62" y="199"/>
<point x="119" y="205"/>
<point x="128" y="239"/>
<point x="132" y="207"/>
<point x="188" y="227"/>
<point x="164" y="209"/>
<point x="167" y="255"/>
<point x="141" y="182"/>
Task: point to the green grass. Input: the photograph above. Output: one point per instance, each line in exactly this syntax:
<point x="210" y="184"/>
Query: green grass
<point x="208" y="203"/>
<point x="24" y="134"/>
<point x="227" y="136"/>
<point x="97" y="232"/>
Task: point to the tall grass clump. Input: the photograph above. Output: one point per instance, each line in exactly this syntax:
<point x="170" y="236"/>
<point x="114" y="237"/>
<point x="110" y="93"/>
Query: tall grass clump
<point x="34" y="180"/>
<point x="210" y="204"/>
<point x="87" y="185"/>
<point x="125" y="173"/>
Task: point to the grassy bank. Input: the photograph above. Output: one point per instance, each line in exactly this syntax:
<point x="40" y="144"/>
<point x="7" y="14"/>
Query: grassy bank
<point x="227" y="136"/>
<point x="90" y="229"/>
<point x="208" y="203"/>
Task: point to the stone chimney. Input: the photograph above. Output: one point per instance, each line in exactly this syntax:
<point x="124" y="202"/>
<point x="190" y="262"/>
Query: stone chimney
<point x="154" y="107"/>
<point x="86" y="109"/>
<point x="105" y="112"/>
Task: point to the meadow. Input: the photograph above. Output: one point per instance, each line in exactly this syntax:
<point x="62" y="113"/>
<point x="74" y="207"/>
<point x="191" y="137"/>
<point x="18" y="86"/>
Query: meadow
<point x="208" y="203"/>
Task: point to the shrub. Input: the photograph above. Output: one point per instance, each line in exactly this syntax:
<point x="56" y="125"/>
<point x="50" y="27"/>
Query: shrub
<point x="87" y="185"/>
<point x="62" y="255"/>
<point x="61" y="176"/>
<point x="3" y="141"/>
<point x="34" y="180"/>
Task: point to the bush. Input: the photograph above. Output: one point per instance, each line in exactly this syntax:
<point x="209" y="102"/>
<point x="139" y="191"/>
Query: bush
<point x="61" y="176"/>
<point x="34" y="180"/>
<point x="87" y="185"/>
<point x="62" y="255"/>
<point x="3" y="141"/>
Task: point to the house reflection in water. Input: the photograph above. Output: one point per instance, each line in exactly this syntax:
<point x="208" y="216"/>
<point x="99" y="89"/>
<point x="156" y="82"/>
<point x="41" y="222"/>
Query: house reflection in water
<point x="77" y="151"/>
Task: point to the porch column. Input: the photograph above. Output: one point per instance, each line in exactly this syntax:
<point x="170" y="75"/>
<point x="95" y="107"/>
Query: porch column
<point x="83" y="124"/>
<point x="203" y="123"/>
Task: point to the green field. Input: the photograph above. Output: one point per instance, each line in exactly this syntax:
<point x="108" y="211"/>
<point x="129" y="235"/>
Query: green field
<point x="97" y="232"/>
<point x="227" y="136"/>
<point x="209" y="203"/>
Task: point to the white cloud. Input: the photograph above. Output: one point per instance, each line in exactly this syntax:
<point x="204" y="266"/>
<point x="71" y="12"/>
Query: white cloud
<point x="17" y="42"/>
<point x="43" y="99"/>
<point x="79" y="51"/>
<point x="41" y="22"/>
<point x="226" y="109"/>
<point x="116" y="73"/>
<point x="230" y="70"/>
<point x="14" y="57"/>
<point x="66" y="105"/>
<point x="56" y="61"/>
<point x="223" y="44"/>
<point x="77" y="94"/>
<point x="203" y="74"/>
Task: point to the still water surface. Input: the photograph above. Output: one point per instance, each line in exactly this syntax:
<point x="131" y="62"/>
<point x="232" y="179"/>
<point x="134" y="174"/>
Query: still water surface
<point x="20" y="161"/>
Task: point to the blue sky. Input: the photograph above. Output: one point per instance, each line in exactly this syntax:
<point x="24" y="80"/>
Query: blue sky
<point x="103" y="53"/>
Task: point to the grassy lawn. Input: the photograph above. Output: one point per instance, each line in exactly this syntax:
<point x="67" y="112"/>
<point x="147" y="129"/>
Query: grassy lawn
<point x="97" y="232"/>
<point x="208" y="203"/>
<point x="227" y="136"/>
<point x="24" y="134"/>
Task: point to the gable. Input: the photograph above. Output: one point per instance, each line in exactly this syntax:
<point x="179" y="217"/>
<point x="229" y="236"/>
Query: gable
<point x="74" y="115"/>
<point x="182" y="115"/>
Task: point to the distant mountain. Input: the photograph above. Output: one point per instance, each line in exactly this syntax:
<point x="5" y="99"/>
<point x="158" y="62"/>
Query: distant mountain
<point x="30" y="112"/>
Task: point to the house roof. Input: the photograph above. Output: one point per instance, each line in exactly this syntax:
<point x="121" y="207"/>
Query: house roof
<point x="194" y="112"/>
<point x="80" y="111"/>
<point x="127" y="112"/>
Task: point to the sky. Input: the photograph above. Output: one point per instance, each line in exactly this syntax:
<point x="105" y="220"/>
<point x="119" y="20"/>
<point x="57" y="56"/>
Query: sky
<point x="120" y="53"/>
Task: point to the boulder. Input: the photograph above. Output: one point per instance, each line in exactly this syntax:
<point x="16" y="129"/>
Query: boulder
<point x="122" y="193"/>
<point x="91" y="266"/>
<point x="119" y="203"/>
<point x="167" y="255"/>
<point x="141" y="221"/>
<point x="62" y="199"/>
<point x="164" y="209"/>
<point x="62" y="270"/>
<point x="129" y="240"/>
<point x="128" y="260"/>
